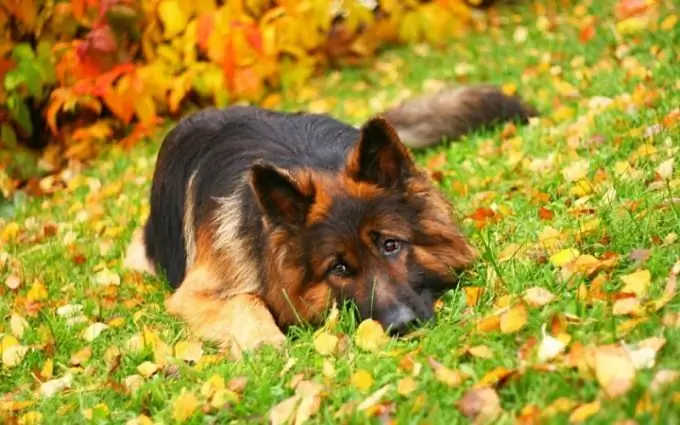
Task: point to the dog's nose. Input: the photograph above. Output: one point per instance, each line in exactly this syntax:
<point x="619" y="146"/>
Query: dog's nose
<point x="400" y="319"/>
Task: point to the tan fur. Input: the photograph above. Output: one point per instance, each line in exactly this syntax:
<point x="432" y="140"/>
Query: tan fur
<point x="231" y="250"/>
<point x="189" y="231"/>
<point x="219" y="308"/>
<point x="135" y="257"/>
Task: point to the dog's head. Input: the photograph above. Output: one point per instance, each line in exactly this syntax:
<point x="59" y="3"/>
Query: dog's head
<point x="377" y="233"/>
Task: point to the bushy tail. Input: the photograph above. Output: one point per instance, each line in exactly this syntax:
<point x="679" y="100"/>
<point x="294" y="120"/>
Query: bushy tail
<point x="424" y="121"/>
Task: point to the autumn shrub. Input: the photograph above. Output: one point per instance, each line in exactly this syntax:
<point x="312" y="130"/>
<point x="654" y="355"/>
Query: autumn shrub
<point x="78" y="73"/>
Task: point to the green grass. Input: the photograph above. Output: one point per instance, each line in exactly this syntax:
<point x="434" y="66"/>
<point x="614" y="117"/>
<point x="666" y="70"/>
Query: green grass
<point x="484" y="170"/>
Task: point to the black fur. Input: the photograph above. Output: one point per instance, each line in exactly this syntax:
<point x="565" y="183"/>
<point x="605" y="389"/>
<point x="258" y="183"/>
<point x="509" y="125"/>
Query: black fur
<point x="222" y="144"/>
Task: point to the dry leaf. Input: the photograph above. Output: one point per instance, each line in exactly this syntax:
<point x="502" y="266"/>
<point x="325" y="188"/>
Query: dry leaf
<point x="50" y="388"/>
<point x="325" y="343"/>
<point x="514" y="319"/>
<point x="147" y="369"/>
<point x="374" y="398"/>
<point x="482" y="405"/>
<point x="184" y="406"/>
<point x="550" y="347"/>
<point x="584" y="411"/>
<point x="81" y="356"/>
<point x="370" y="336"/>
<point x="18" y="325"/>
<point x="189" y="351"/>
<point x="663" y="378"/>
<point x="406" y="386"/>
<point x="665" y="169"/>
<point x="362" y="379"/>
<point x="614" y="370"/>
<point x="564" y="257"/>
<point x="107" y="277"/>
<point x="452" y="378"/>
<point x="93" y="331"/>
<point x="637" y="283"/>
<point x="481" y="351"/>
<point x="629" y="305"/>
<point x="538" y="297"/>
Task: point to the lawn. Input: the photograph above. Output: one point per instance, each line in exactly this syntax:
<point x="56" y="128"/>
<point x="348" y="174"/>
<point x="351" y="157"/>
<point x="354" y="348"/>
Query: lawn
<point x="569" y="316"/>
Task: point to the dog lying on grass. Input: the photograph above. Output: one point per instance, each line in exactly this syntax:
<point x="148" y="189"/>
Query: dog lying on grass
<point x="260" y="220"/>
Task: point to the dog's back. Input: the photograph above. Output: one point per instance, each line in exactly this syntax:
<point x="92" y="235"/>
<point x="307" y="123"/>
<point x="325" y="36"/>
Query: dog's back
<point x="204" y="160"/>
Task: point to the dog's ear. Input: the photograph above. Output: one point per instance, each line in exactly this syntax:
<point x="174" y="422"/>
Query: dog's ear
<point x="282" y="198"/>
<point x="379" y="156"/>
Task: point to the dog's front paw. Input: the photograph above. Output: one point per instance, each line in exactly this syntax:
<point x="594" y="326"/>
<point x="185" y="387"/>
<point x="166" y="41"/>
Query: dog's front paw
<point x="251" y="344"/>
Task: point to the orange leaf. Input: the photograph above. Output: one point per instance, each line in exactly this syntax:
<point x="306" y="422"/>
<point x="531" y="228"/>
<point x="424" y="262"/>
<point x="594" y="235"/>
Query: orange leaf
<point x="204" y="28"/>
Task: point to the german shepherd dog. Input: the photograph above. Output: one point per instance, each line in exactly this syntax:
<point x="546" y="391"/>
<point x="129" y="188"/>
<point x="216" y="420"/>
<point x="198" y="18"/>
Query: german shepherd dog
<point x="260" y="219"/>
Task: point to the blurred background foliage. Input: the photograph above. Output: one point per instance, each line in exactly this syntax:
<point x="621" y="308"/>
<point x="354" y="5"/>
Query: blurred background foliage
<point x="78" y="74"/>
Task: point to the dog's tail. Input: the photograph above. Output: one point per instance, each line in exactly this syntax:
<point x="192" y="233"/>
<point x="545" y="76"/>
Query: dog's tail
<point x="424" y="121"/>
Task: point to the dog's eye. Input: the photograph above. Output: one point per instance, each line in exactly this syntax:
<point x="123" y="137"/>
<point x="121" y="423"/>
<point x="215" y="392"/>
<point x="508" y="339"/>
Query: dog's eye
<point x="391" y="246"/>
<point x="340" y="269"/>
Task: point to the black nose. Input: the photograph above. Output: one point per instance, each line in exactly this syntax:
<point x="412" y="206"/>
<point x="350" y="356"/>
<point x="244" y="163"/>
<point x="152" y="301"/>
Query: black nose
<point x="399" y="320"/>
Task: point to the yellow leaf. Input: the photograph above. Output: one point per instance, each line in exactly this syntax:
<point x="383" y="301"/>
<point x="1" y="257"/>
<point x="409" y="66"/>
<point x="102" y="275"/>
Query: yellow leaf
<point x="145" y="109"/>
<point x="576" y="171"/>
<point x="493" y="377"/>
<point x="406" y="386"/>
<point x="489" y="324"/>
<point x="173" y="17"/>
<point x="147" y="369"/>
<point x="13" y="355"/>
<point x="18" y="325"/>
<point x="49" y="388"/>
<point x="189" y="351"/>
<point x="10" y="231"/>
<point x="514" y="319"/>
<point x="614" y="370"/>
<point x="81" y="356"/>
<point x="584" y="411"/>
<point x="665" y="169"/>
<point x="362" y="379"/>
<point x="370" y="336"/>
<point x="31" y="418"/>
<point x="637" y="283"/>
<point x="47" y="369"/>
<point x="325" y="343"/>
<point x="538" y="297"/>
<point x="140" y="420"/>
<point x="670" y="22"/>
<point x="564" y="257"/>
<point x="37" y="292"/>
<point x="184" y="406"/>
<point x="481" y="351"/>
<point x="107" y="277"/>
<point x="452" y="378"/>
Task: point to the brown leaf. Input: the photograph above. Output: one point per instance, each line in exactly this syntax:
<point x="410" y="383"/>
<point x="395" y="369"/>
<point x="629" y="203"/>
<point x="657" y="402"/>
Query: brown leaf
<point x="538" y="297"/>
<point x="81" y="356"/>
<point x="482" y="405"/>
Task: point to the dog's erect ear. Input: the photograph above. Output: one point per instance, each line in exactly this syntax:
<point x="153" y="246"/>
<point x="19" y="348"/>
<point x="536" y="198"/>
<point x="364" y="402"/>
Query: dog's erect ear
<point x="279" y="195"/>
<point x="380" y="157"/>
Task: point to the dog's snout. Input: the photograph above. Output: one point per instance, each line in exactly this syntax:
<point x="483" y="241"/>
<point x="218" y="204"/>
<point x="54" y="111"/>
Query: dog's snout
<point x="400" y="319"/>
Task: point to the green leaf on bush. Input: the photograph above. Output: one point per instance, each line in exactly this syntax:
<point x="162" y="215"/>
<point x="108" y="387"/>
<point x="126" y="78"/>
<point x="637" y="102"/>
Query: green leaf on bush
<point x="20" y="113"/>
<point x="8" y="136"/>
<point x="23" y="52"/>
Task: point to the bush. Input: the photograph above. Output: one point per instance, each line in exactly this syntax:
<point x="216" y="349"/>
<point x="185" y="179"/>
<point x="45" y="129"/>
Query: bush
<point x="81" y="72"/>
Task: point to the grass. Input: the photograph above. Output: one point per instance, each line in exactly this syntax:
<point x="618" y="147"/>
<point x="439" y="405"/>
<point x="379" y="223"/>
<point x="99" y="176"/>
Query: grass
<point x="513" y="175"/>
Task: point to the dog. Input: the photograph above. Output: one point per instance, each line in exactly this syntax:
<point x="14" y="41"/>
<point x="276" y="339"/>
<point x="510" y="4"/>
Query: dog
<point x="260" y="219"/>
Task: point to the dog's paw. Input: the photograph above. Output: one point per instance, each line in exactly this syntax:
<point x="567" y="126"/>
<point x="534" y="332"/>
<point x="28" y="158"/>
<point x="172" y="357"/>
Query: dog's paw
<point x="276" y="340"/>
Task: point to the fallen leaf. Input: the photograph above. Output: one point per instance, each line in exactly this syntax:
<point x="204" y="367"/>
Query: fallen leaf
<point x="640" y="255"/>
<point x="107" y="277"/>
<point x="283" y="412"/>
<point x="147" y="369"/>
<point x="374" y="398"/>
<point x="481" y="351"/>
<point x="189" y="351"/>
<point x="493" y="377"/>
<point x="452" y="378"/>
<point x="636" y="283"/>
<point x="13" y="355"/>
<point x="325" y="343"/>
<point x="482" y="405"/>
<point x="93" y="331"/>
<point x="662" y="378"/>
<point x="362" y="380"/>
<point x="550" y="347"/>
<point x="50" y="388"/>
<point x="406" y="386"/>
<point x="628" y="305"/>
<point x="370" y="336"/>
<point x="584" y="411"/>
<point x="18" y="325"/>
<point x="38" y="292"/>
<point x="30" y="418"/>
<point x="538" y="297"/>
<point x="514" y="319"/>
<point x="665" y="169"/>
<point x="184" y="406"/>
<point x="81" y="356"/>
<point x="614" y="370"/>
<point x="564" y="257"/>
